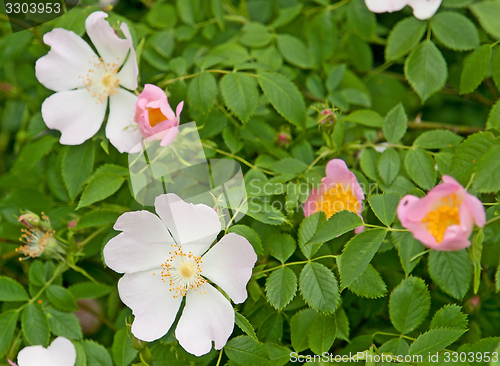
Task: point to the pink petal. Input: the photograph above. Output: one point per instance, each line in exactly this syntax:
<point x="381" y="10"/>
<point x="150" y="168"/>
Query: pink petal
<point x="206" y="317"/>
<point x="229" y="264"/>
<point x="477" y="209"/>
<point x="75" y="113"/>
<point x="153" y="306"/>
<point x="169" y="136"/>
<point x="178" y="110"/>
<point x="67" y="61"/>
<point x="129" y="71"/>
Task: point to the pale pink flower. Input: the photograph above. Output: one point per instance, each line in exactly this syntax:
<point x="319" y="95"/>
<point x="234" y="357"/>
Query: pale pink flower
<point x="444" y="218"/>
<point x="338" y="191"/>
<point x="154" y="116"/>
<point x="422" y="9"/>
<point x="164" y="261"/>
<point x="60" y="353"/>
<point x="84" y="82"/>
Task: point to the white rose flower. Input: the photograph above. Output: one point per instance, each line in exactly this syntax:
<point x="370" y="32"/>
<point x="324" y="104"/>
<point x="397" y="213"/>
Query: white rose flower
<point x="422" y="9"/>
<point x="60" y="353"/>
<point x="164" y="262"/>
<point x="84" y="82"/>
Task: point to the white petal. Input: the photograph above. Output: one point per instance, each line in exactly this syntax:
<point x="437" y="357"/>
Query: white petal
<point x="194" y="227"/>
<point x="424" y="9"/>
<point x="382" y="6"/>
<point x="144" y="243"/>
<point x="229" y="264"/>
<point x="62" y="352"/>
<point x="152" y="304"/>
<point x="75" y="113"/>
<point x="121" y="130"/>
<point x="34" y="356"/>
<point x="206" y="317"/>
<point x="130" y="70"/>
<point x="109" y="45"/>
<point x="66" y="63"/>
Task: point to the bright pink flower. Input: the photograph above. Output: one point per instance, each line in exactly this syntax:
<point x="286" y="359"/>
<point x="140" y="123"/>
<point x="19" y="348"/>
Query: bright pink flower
<point x="338" y="191"/>
<point x="444" y="219"/>
<point x="154" y="116"/>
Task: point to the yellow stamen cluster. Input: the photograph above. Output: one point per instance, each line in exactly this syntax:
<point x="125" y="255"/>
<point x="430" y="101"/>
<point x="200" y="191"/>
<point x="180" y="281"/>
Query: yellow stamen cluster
<point x="101" y="80"/>
<point x="338" y="198"/>
<point x="155" y="116"/>
<point x="448" y="214"/>
<point x="35" y="239"/>
<point x="182" y="272"/>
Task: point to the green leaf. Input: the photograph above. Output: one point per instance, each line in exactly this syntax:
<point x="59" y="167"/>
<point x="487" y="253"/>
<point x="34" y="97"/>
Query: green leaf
<point x="244" y="325"/>
<point x="218" y="12"/>
<point x="307" y="229"/>
<point x="123" y="351"/>
<point x="279" y="355"/>
<point x="31" y="154"/>
<point x="475" y="69"/>
<point x="358" y="253"/>
<point x="449" y="316"/>
<point x="35" y="325"/>
<point x="396" y="346"/>
<point x="319" y="287"/>
<point x="36" y="274"/>
<point x="420" y="167"/>
<point x="243" y="350"/>
<point x="455" y="31"/>
<point x="494" y="115"/>
<point x="8" y="321"/>
<point x="286" y="15"/>
<point x="295" y="51"/>
<point x="405" y="35"/>
<point x="321" y="35"/>
<point x="369" y="284"/>
<point x="451" y="271"/>
<point x="475" y="253"/>
<point x="96" y="218"/>
<point x="281" y="287"/>
<point x="468" y="155"/>
<point x="426" y="69"/>
<point x="185" y="10"/>
<point x="202" y="92"/>
<point x="264" y="212"/>
<point x="256" y="35"/>
<point x="61" y="298"/>
<point x="322" y="333"/>
<point x="290" y="166"/>
<point x="240" y="94"/>
<point x="89" y="290"/>
<point x="338" y="224"/>
<point x="408" y="247"/>
<point x="368" y="162"/>
<point x="96" y="354"/>
<point x="389" y="164"/>
<point x="487" y="178"/>
<point x="488" y="12"/>
<point x="300" y="325"/>
<point x="281" y="246"/>
<point x="437" y="139"/>
<point x="284" y="97"/>
<point x="361" y="20"/>
<point x="409" y="304"/>
<point x="77" y="165"/>
<point x="395" y="124"/>
<point x="384" y="206"/>
<point x="434" y="341"/>
<point x="10" y="290"/>
<point x="64" y="324"/>
<point x="335" y="77"/>
<point x="100" y="187"/>
<point x="162" y="16"/>
<point x="365" y="117"/>
<point x="250" y="234"/>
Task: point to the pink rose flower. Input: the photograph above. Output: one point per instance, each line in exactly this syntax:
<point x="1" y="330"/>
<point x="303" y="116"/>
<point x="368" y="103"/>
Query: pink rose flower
<point x="154" y="116"/>
<point x="338" y="191"/>
<point x="444" y="219"/>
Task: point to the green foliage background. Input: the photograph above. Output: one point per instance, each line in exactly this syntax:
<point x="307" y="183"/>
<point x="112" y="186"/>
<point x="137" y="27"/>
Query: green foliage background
<point x="251" y="72"/>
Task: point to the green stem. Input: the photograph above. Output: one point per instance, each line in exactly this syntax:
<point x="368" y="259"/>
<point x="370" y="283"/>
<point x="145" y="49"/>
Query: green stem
<point x="220" y="357"/>
<point x="295" y="263"/>
<point x="92" y="236"/>
<point x="385" y="228"/>
<point x="318" y="158"/>
<point x="492" y="220"/>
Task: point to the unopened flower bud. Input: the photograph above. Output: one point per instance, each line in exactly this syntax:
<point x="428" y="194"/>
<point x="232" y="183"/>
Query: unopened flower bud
<point x="29" y="219"/>
<point x="328" y="117"/>
<point x="284" y="139"/>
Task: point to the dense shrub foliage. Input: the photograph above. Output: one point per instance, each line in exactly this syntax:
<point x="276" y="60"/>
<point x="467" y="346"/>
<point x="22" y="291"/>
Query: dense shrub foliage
<point x="282" y="87"/>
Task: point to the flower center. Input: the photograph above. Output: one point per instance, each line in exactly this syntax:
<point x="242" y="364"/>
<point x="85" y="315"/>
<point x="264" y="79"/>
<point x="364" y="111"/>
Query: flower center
<point x="34" y="240"/>
<point x="338" y="198"/>
<point x="446" y="215"/>
<point x="101" y="80"/>
<point x="155" y="116"/>
<point x="182" y="272"/>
